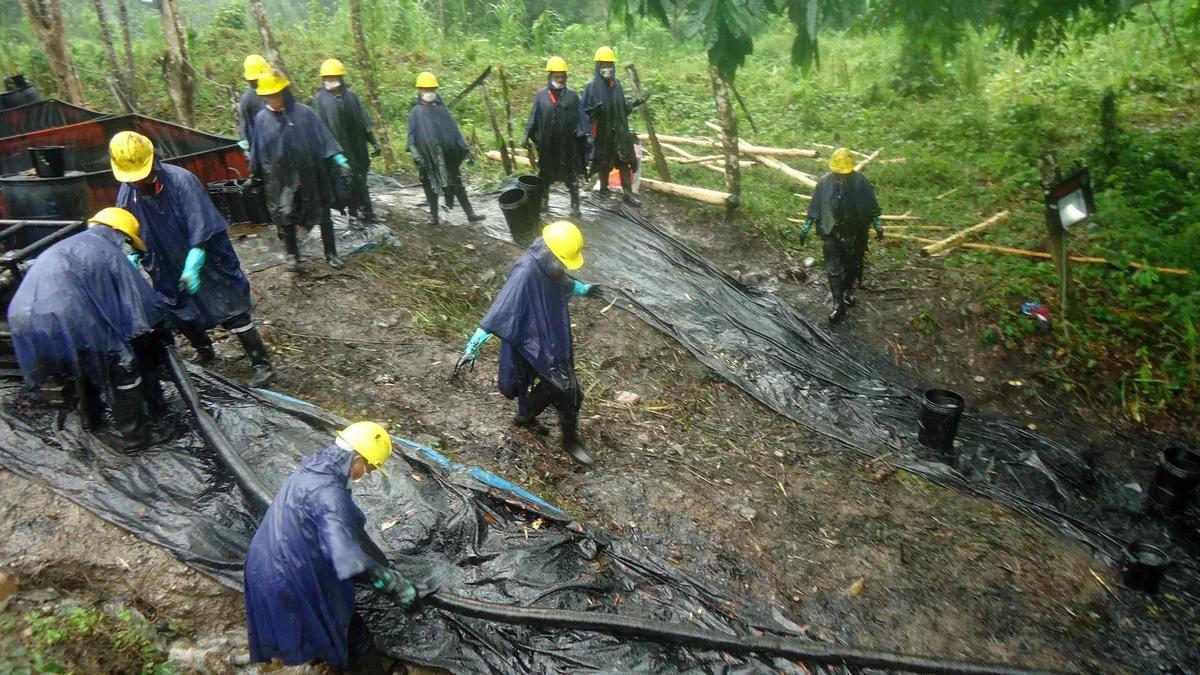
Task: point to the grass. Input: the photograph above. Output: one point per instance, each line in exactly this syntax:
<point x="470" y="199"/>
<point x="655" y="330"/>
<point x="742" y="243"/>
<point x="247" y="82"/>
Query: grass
<point x="68" y="639"/>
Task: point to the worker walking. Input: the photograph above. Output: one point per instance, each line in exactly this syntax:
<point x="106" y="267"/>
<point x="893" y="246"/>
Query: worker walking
<point x="248" y="106"/>
<point x="84" y="316"/>
<point x="308" y="552"/>
<point x="559" y="129"/>
<point x="342" y="111"/>
<point x="843" y="206"/>
<point x="531" y="317"/>
<point x="612" y="142"/>
<point x="438" y="149"/>
<point x="188" y="255"/>
<point x="299" y="160"/>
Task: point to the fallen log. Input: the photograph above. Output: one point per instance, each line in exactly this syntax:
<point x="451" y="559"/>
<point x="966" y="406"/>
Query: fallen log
<point x="494" y="155"/>
<point x="767" y="160"/>
<point x="826" y="146"/>
<point x="1042" y="255"/>
<point x="894" y="227"/>
<point x="867" y="160"/>
<point x="697" y="193"/>
<point x="664" y="139"/>
<point x="941" y="247"/>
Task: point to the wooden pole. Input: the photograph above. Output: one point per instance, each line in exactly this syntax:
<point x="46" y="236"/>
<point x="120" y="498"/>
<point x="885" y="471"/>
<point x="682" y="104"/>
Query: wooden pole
<point x="130" y="77"/>
<point x="943" y="246"/>
<point x="867" y="160"/>
<point x="363" y="56"/>
<point x="699" y="194"/>
<point x="506" y="91"/>
<point x="709" y="143"/>
<point x="729" y="139"/>
<point x="1051" y="174"/>
<point x="660" y="162"/>
<point x="500" y="142"/>
<point x="1042" y="255"/>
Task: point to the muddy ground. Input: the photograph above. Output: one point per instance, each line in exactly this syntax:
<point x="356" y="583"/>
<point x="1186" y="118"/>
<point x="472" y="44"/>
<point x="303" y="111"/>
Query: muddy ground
<point x="696" y="471"/>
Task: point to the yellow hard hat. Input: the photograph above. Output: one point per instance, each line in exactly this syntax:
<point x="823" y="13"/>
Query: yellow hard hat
<point x="605" y="54"/>
<point x="369" y="440"/>
<point x="332" y="68"/>
<point x="565" y="241"/>
<point x="254" y="66"/>
<point x="131" y="155"/>
<point x="841" y="161"/>
<point x="556" y="64"/>
<point x="271" y="82"/>
<point x="122" y="221"/>
<point x="427" y="80"/>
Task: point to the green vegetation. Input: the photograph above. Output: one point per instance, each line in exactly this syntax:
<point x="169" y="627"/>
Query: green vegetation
<point x="970" y="109"/>
<point x="69" y="639"/>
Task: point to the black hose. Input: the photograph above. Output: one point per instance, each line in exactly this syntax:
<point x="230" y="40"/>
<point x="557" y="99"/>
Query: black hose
<point x="659" y="631"/>
<point x="212" y="434"/>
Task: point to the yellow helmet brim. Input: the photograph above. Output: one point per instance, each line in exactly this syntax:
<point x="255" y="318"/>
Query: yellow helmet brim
<point x="132" y="174"/>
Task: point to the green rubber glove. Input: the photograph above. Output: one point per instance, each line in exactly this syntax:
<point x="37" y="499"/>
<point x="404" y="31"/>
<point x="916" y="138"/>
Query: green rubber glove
<point x="476" y="343"/>
<point x="244" y="145"/>
<point x="878" y="225"/>
<point x="190" y="279"/>
<point x="580" y="289"/>
<point x="808" y="226"/>
<point x="390" y="582"/>
<point x="341" y="160"/>
<point x="135" y="259"/>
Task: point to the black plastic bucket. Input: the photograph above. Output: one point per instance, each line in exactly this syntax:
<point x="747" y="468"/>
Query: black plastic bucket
<point x="535" y="190"/>
<point x="1175" y="480"/>
<point x="1145" y="566"/>
<point x="514" y="204"/>
<point x="938" y="424"/>
<point x="49" y="161"/>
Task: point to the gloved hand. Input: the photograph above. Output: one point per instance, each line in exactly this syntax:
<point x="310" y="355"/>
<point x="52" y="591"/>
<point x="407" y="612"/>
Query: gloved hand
<point x="581" y="289"/>
<point x="808" y="225"/>
<point x="190" y="279"/>
<point x="389" y="581"/>
<point x="135" y="259"/>
<point x="878" y="225"/>
<point x="343" y="164"/>
<point x="471" y="353"/>
<point x="244" y="145"/>
<point x="376" y="150"/>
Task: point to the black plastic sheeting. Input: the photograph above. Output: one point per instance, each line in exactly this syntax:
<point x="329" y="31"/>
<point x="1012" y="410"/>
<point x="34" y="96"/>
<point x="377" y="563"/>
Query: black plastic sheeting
<point x="478" y="535"/>
<point x="258" y="247"/>
<point x="796" y="366"/>
<point x="42" y="115"/>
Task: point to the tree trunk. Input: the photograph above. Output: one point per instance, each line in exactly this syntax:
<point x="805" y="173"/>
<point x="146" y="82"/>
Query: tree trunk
<point x="46" y="20"/>
<point x="364" y="66"/>
<point x="181" y="82"/>
<point x="729" y="140"/>
<point x="114" y="66"/>
<point x="130" y="78"/>
<point x="268" y="37"/>
<point x="660" y="160"/>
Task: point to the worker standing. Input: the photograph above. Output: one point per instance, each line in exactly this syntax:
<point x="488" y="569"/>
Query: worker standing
<point x="438" y="149"/>
<point x="189" y="257"/>
<point x="342" y="111"/>
<point x="532" y="319"/>
<point x="843" y="207"/>
<point x="83" y="315"/>
<point x="612" y="142"/>
<point x="309" y="549"/>
<point x="559" y="129"/>
<point x="298" y="158"/>
<point x="248" y="106"/>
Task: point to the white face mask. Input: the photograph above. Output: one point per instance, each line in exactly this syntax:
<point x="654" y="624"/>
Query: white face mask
<point x="270" y="107"/>
<point x="606" y="73"/>
<point x="557" y="85"/>
<point x="330" y="85"/>
<point x="429" y="96"/>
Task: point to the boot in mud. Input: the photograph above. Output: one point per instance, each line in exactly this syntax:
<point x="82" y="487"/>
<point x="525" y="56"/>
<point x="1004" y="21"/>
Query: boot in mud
<point x="571" y="444"/>
<point x="252" y="342"/>
<point x="839" y="301"/>
<point x="574" y="190"/>
<point x="532" y="423"/>
<point x="330" y="244"/>
<point x="466" y="205"/>
<point x="432" y="198"/>
<point x="627" y="188"/>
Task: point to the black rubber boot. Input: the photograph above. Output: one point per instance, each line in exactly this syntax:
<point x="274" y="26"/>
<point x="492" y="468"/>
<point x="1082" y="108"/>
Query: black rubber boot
<point x="839" y="302"/>
<point x="130" y="428"/>
<point x="292" y="262"/>
<point x="329" y="242"/>
<point x="202" y="343"/>
<point x="545" y="206"/>
<point x="571" y="444"/>
<point x="627" y="188"/>
<point x="91" y="405"/>
<point x="536" y="402"/>
<point x="432" y="198"/>
<point x="466" y="205"/>
<point x="252" y="342"/>
<point x="574" y="190"/>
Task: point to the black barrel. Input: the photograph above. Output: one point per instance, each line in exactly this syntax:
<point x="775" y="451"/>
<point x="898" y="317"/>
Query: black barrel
<point x="1145" y="566"/>
<point x="535" y="191"/>
<point x="49" y="161"/>
<point x="33" y="198"/>
<point x="1175" y="480"/>
<point x="218" y="195"/>
<point x="514" y="204"/>
<point x="940" y="412"/>
<point x="18" y="91"/>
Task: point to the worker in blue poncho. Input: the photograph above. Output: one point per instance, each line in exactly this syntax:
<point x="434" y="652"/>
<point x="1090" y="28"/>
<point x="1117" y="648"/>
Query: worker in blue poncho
<point x="188" y="255"/>
<point x="531" y="318"/>
<point x="612" y="142"/>
<point x="300" y="163"/>
<point x="250" y="103"/>
<point x="307" y="554"/>
<point x="83" y="318"/>
<point x="559" y="129"/>
<point x="438" y="149"/>
<point x="343" y="112"/>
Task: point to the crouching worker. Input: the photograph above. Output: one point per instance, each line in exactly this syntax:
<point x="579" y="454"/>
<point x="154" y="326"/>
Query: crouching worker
<point x="530" y="315"/>
<point x="84" y="319"/>
<point x="306" y="555"/>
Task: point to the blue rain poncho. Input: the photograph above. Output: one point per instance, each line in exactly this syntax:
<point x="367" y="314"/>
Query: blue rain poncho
<point x="349" y="123"/>
<point x="79" y="307"/>
<point x="612" y="141"/>
<point x="530" y="316"/>
<point x="844" y="209"/>
<point x="179" y="217"/>
<point x="248" y="107"/>
<point x="437" y="146"/>
<point x="559" y="128"/>
<point x="291" y="151"/>
<point x="311" y="543"/>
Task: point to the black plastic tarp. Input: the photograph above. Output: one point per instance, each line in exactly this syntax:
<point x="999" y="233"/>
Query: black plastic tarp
<point x="480" y="536"/>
